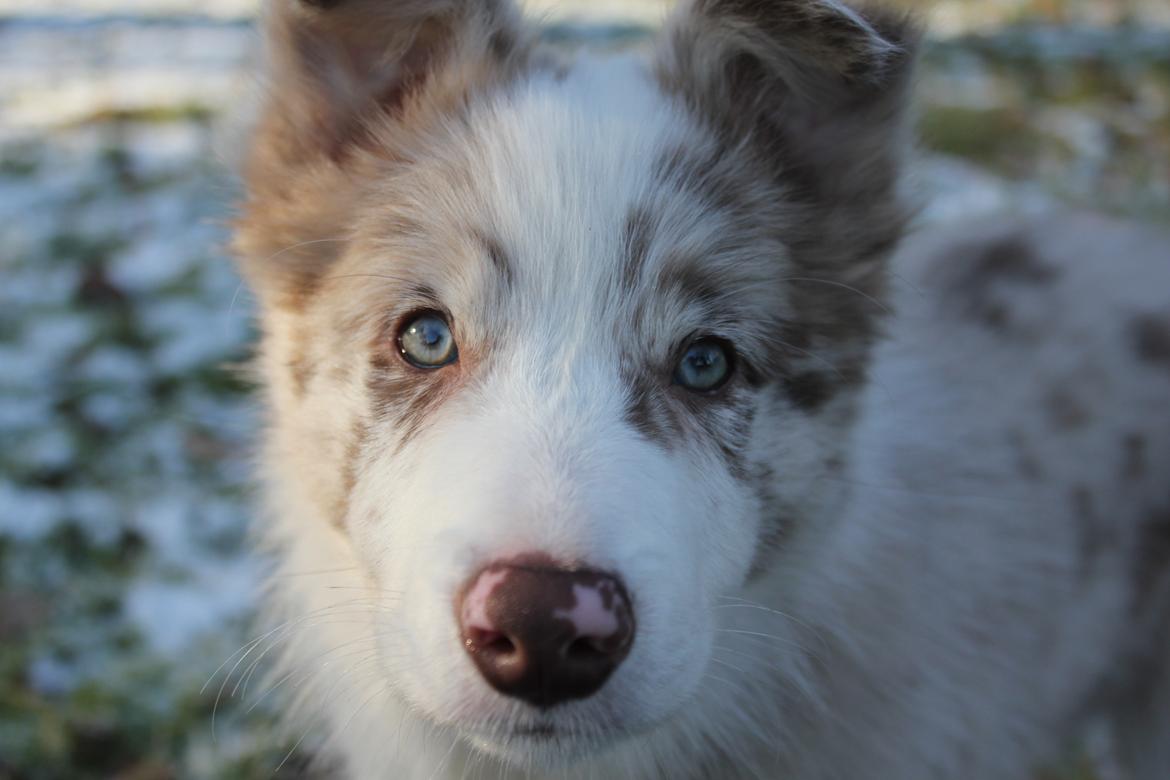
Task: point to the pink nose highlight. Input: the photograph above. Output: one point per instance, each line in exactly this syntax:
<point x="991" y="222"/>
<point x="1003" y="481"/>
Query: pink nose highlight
<point x="543" y="633"/>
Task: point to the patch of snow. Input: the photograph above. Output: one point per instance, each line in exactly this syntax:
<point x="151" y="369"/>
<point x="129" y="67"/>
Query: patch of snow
<point x="48" y="448"/>
<point x="149" y="264"/>
<point x="161" y="446"/>
<point x="37" y="286"/>
<point x="164" y="521"/>
<point x="949" y="190"/>
<point x="20" y="412"/>
<point x="52" y="677"/>
<point x="193" y="335"/>
<point x="97" y="512"/>
<point x="174" y="615"/>
<point x="51" y="339"/>
<point x="114" y="365"/>
<point x="28" y="514"/>
<point x="112" y="410"/>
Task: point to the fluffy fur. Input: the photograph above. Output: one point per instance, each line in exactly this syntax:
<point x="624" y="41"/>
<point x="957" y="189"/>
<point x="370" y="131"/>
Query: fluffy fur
<point x="935" y="544"/>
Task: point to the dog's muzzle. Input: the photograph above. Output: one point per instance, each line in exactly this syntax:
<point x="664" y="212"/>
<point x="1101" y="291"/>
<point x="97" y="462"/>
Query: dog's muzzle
<point x="545" y="634"/>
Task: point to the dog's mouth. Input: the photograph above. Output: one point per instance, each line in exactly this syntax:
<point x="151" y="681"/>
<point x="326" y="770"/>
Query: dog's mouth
<point x="545" y="742"/>
<point x="539" y="732"/>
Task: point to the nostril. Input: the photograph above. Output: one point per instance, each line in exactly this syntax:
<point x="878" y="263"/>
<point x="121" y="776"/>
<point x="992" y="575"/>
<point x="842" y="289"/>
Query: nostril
<point x="481" y="640"/>
<point x="585" y="649"/>
<point x="501" y="645"/>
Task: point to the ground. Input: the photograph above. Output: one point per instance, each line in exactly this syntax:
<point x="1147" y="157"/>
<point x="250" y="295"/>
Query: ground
<point x="127" y="422"/>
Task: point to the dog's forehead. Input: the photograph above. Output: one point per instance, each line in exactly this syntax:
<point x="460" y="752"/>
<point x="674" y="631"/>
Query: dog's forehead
<point x="558" y="164"/>
<point x="586" y="192"/>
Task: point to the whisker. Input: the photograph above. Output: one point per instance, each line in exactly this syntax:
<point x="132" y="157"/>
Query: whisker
<point x="729" y="666"/>
<point x="387" y="277"/>
<point x="314" y="572"/>
<point x="294" y="247"/>
<point x="364" y="655"/>
<point x="748" y="604"/>
<point x="324" y="620"/>
<point x="286" y="626"/>
<point x="443" y="761"/>
<point x="256" y="663"/>
<point x="242" y="285"/>
<point x="760" y="635"/>
<point x="835" y="283"/>
<point x="329" y="698"/>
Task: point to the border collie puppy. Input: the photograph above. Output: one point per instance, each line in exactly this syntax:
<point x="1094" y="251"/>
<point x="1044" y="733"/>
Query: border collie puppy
<point x="610" y="437"/>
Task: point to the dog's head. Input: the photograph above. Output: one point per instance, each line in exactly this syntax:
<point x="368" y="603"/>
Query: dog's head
<point x="565" y="352"/>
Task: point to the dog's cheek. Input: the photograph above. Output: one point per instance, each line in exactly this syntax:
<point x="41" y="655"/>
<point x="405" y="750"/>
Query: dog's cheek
<point x="729" y="527"/>
<point x="723" y="470"/>
<point x="392" y="530"/>
<point x="682" y="537"/>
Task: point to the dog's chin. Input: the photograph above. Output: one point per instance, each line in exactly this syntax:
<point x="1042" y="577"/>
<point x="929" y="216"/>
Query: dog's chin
<point x="543" y="747"/>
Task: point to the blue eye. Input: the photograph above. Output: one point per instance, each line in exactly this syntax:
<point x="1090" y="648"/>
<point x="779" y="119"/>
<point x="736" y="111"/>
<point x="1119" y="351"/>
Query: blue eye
<point x="426" y="341"/>
<point x="705" y="366"/>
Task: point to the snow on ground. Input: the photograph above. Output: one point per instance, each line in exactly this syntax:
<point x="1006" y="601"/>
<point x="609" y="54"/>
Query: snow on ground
<point x="125" y="423"/>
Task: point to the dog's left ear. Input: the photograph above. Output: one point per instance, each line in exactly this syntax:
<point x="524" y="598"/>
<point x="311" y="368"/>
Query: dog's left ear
<point x="816" y="90"/>
<point x="350" y="85"/>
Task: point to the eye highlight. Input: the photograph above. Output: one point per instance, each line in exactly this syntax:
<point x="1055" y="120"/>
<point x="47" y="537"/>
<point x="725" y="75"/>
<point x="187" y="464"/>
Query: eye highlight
<point x="425" y="341"/>
<point x="705" y="366"/>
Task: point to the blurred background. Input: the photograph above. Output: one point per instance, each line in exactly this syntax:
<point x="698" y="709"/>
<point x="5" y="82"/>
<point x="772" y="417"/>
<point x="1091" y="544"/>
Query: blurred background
<point x="124" y="431"/>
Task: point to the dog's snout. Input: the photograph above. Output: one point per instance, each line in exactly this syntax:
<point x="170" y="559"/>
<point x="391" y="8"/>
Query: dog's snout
<point x="545" y="634"/>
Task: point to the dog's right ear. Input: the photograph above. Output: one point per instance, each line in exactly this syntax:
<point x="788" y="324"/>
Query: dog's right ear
<point x="345" y="80"/>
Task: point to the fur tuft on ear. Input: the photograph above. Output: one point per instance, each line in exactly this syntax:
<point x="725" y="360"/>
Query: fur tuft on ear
<point x="816" y="91"/>
<point x="350" y="83"/>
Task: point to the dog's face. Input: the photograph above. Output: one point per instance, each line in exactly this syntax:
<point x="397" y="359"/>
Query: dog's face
<point x="567" y="351"/>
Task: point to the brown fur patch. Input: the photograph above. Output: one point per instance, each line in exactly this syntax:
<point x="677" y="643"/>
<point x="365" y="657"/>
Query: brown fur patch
<point x="1151" y="339"/>
<point x="716" y="182"/>
<point x="1097" y="533"/>
<point x="732" y="428"/>
<point x="1151" y="567"/>
<point x="1066" y="412"/>
<point x="648" y="411"/>
<point x="809" y="391"/>
<point x="354" y="451"/>
<point x="986" y="268"/>
<point x="1026" y="461"/>
<point x="637" y="236"/>
<point x="301" y="368"/>
<point x="1088" y="527"/>
<point x="778" y="518"/>
<point x="1011" y="258"/>
<point x="1133" y="463"/>
<point x="693" y="281"/>
<point x="498" y="256"/>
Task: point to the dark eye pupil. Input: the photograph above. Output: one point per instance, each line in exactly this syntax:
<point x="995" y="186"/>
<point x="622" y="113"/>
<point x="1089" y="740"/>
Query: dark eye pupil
<point x="703" y="358"/>
<point x="430" y="333"/>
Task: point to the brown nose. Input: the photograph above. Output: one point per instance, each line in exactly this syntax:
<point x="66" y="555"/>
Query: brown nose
<point x="545" y="634"/>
